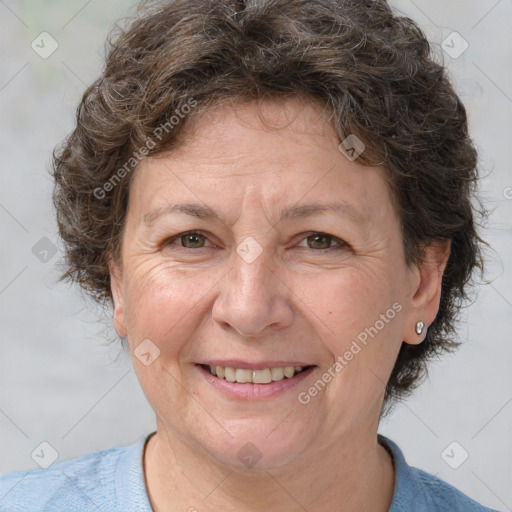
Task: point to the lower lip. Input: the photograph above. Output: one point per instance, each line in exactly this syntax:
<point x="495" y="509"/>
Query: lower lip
<point x="251" y="391"/>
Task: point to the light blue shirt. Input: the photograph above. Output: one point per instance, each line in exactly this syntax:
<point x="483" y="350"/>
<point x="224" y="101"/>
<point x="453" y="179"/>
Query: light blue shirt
<point x="112" y="480"/>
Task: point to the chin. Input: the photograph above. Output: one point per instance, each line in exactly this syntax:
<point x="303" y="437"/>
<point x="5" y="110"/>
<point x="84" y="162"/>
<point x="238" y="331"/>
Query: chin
<point x="259" y="446"/>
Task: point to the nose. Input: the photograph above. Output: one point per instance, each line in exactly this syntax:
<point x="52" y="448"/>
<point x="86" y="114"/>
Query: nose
<point x="253" y="300"/>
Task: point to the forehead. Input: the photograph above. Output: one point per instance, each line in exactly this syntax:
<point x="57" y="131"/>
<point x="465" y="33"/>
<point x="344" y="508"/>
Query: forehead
<point x="249" y="132"/>
<point x="282" y="154"/>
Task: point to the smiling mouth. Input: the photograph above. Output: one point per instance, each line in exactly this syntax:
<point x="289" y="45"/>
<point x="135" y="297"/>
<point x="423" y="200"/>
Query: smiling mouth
<point x="250" y="376"/>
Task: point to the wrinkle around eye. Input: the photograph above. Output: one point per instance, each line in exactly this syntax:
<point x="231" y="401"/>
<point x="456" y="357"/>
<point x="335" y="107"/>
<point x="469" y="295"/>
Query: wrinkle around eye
<point x="171" y="241"/>
<point x="336" y="243"/>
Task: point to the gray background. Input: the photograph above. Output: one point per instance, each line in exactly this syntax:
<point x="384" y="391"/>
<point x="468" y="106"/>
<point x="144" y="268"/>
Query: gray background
<point x="61" y="381"/>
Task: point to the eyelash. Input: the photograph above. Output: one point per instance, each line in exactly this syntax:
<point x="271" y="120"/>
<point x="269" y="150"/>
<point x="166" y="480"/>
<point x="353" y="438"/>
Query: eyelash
<point x="341" y="243"/>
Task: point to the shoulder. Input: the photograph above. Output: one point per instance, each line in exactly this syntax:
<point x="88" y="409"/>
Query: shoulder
<point x="422" y="492"/>
<point x="83" y="483"/>
<point x="446" y="497"/>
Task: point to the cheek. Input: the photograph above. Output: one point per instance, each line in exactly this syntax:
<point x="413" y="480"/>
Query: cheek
<point x="346" y="301"/>
<point x="164" y="300"/>
<point x="368" y="335"/>
<point x="358" y="313"/>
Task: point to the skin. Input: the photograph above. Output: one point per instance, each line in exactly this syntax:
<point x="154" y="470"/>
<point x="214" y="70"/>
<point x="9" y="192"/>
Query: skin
<point x="298" y="300"/>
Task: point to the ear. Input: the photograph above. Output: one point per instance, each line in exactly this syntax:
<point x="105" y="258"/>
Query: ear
<point x="426" y="292"/>
<point x="116" y="285"/>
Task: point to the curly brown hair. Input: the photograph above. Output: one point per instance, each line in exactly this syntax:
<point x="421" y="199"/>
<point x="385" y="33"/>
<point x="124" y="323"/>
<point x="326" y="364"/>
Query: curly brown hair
<point x="371" y="69"/>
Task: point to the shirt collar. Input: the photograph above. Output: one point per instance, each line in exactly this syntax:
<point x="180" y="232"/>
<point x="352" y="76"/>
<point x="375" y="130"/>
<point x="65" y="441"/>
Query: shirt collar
<point x="130" y="484"/>
<point x="408" y="490"/>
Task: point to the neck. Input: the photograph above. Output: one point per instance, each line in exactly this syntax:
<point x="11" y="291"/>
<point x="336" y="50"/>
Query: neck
<point x="352" y="474"/>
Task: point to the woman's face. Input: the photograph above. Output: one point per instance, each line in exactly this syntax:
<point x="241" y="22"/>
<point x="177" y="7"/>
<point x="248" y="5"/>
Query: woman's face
<point x="297" y="260"/>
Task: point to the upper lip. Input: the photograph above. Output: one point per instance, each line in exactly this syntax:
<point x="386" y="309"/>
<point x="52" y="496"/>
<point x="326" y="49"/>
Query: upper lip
<point x="260" y="365"/>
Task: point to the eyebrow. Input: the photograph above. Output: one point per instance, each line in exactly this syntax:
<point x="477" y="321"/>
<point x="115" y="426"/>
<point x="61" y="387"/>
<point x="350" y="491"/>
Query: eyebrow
<point x="295" y="212"/>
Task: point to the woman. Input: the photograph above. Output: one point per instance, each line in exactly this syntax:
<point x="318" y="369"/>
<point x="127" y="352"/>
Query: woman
<point x="274" y="197"/>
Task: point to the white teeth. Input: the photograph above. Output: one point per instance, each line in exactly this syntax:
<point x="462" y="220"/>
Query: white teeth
<point x="246" y="375"/>
<point x="229" y="374"/>
<point x="277" y="373"/>
<point x="261" y="376"/>
<point x="289" y="371"/>
<point x="243" y="375"/>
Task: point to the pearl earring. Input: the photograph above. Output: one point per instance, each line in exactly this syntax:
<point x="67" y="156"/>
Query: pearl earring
<point x="419" y="327"/>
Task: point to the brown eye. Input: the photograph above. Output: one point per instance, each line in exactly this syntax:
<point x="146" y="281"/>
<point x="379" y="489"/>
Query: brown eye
<point x="323" y="241"/>
<point x="191" y="240"/>
<point x="319" y="241"/>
